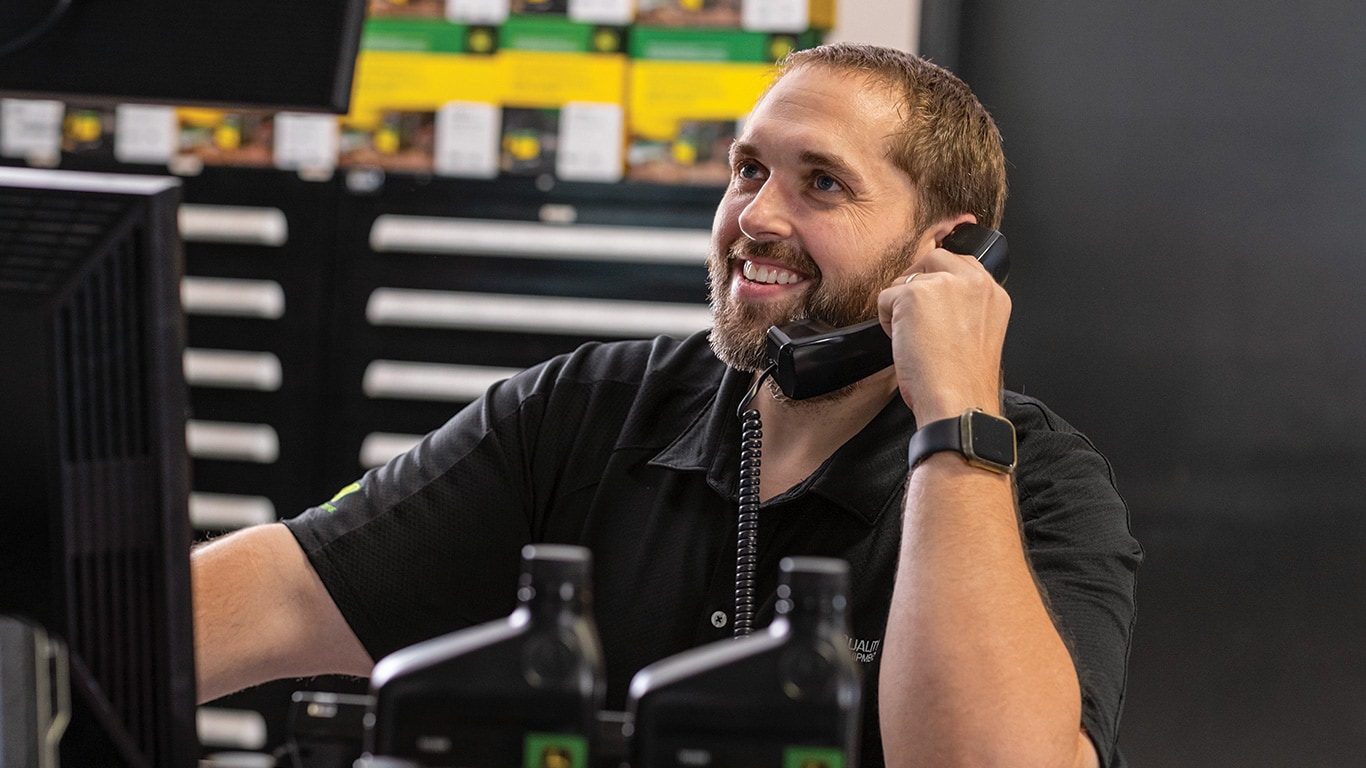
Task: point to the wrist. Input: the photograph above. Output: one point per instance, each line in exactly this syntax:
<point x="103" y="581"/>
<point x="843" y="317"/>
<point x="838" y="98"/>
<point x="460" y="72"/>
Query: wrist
<point x="950" y="399"/>
<point x="981" y="439"/>
<point x="935" y="409"/>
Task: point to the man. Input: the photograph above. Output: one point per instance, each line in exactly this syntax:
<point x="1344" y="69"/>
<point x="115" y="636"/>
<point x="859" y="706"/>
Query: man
<point x="978" y="647"/>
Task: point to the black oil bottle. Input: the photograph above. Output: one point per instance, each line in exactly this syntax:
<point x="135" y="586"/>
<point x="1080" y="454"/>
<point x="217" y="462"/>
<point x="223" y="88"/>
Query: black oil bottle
<point x="785" y="697"/>
<point x="523" y="691"/>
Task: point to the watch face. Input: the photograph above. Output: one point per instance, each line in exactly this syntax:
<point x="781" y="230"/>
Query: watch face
<point x="990" y="440"/>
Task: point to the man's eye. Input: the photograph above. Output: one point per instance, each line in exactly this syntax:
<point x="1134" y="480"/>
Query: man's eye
<point x="747" y="170"/>
<point x="826" y="183"/>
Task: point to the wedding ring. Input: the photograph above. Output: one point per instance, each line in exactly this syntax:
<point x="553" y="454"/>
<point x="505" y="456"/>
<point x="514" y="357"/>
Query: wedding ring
<point x="912" y="276"/>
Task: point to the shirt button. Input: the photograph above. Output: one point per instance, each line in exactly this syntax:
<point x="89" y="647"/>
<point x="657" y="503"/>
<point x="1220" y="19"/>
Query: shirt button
<point x="719" y="619"/>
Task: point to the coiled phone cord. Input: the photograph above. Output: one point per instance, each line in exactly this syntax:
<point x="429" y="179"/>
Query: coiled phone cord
<point x="747" y="528"/>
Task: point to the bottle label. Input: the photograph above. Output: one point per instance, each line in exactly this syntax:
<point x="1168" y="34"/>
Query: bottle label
<point x="812" y="757"/>
<point x="555" y="750"/>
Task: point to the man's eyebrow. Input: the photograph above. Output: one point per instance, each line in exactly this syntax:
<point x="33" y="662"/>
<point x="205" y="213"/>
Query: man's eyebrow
<point x="739" y="147"/>
<point x="823" y="160"/>
<point x="809" y="157"/>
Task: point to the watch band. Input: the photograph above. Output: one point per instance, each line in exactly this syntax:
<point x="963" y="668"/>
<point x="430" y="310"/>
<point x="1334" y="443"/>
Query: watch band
<point x="984" y="441"/>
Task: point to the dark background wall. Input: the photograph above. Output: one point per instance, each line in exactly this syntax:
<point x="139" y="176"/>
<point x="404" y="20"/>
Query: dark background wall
<point x="1189" y="250"/>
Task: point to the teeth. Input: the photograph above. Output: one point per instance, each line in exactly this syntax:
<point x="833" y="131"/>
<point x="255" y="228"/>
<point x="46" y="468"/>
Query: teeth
<point x="769" y="275"/>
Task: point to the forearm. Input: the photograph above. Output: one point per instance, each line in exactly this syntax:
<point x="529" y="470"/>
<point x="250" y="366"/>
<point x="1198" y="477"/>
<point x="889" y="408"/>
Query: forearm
<point x="975" y="673"/>
<point x="261" y="614"/>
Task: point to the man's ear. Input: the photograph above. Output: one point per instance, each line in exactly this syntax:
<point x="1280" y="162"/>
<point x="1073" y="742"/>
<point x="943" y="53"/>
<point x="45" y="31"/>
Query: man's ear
<point x="941" y="229"/>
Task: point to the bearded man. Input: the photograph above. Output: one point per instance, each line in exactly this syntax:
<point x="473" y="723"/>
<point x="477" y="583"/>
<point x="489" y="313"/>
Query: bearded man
<point x="992" y="603"/>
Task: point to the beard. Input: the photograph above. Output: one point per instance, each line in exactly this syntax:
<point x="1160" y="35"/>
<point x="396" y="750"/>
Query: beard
<point x="739" y="329"/>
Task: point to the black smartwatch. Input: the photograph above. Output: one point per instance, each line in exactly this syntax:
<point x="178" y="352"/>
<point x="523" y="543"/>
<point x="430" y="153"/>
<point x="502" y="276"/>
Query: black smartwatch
<point x="985" y="441"/>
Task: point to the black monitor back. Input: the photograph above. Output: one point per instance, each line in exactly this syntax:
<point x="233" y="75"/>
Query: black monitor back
<point x="95" y="538"/>
<point x="298" y="54"/>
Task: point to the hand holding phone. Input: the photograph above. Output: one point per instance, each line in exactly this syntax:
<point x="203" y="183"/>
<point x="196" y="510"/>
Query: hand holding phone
<point x="812" y="358"/>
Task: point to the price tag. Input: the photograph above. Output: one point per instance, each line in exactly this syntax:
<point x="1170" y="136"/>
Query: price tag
<point x="477" y="11"/>
<point x="306" y="142"/>
<point x="590" y="142"/>
<point x="615" y="12"/>
<point x="775" y="15"/>
<point x="31" y="129"/>
<point x="145" y="134"/>
<point x="466" y="141"/>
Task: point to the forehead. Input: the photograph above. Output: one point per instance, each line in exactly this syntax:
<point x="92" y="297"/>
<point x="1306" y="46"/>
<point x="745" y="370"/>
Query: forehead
<point x="850" y="115"/>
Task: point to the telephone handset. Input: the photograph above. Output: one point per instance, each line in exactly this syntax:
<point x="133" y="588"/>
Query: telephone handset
<point x="811" y="358"/>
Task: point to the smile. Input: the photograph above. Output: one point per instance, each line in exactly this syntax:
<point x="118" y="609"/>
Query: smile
<point x="759" y="273"/>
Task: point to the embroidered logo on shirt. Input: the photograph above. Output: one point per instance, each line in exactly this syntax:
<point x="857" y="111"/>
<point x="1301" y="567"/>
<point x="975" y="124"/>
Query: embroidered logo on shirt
<point x="864" y="650"/>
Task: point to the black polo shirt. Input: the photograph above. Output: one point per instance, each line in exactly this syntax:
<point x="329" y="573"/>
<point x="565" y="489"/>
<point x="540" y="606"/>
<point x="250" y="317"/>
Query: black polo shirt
<point x="632" y="450"/>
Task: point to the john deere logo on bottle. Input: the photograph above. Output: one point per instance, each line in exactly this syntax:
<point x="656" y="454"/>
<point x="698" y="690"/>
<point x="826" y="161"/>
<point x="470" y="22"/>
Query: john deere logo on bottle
<point x="812" y="757"/>
<point x="555" y="750"/>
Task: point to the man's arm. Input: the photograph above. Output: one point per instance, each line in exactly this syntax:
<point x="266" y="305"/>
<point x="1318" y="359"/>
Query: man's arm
<point x="974" y="671"/>
<point x="261" y="613"/>
<point x="981" y="674"/>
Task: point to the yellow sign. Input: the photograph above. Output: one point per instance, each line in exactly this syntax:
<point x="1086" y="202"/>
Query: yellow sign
<point x="539" y="79"/>
<point x="664" y="92"/>
<point x="419" y="82"/>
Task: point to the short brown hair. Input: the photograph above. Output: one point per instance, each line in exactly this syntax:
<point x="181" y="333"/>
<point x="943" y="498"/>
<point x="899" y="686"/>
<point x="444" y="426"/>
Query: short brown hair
<point x="947" y="142"/>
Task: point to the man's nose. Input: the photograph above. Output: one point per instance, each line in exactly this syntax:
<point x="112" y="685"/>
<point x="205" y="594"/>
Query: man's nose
<point x="768" y="215"/>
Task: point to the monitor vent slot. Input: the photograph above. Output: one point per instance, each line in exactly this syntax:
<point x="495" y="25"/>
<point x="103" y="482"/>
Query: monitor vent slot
<point x="44" y="236"/>
<point x="109" y="462"/>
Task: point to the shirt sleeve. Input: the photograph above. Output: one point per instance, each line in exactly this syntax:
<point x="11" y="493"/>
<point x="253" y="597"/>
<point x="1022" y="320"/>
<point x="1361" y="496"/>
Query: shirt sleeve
<point x="430" y="542"/>
<point x="1077" y="531"/>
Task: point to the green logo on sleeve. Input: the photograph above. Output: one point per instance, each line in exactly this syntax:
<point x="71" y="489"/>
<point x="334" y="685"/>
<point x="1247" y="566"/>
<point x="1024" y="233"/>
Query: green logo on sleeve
<point x="330" y="506"/>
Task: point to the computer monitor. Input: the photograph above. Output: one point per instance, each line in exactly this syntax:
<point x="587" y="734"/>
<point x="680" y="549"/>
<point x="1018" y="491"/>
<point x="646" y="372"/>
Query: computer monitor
<point x="95" y="535"/>
<point x="266" y="54"/>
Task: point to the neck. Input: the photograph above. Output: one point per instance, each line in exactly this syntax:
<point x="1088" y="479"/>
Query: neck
<point x="799" y="435"/>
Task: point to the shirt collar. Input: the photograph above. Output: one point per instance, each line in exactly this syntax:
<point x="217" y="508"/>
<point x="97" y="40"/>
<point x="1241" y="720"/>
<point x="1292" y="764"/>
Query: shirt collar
<point x="864" y="477"/>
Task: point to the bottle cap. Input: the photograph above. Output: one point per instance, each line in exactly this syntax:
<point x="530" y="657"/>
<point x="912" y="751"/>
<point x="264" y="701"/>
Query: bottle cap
<point x="562" y="569"/>
<point x="812" y="582"/>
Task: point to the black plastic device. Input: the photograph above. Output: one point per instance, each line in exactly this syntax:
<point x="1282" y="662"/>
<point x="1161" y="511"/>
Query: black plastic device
<point x="247" y="54"/>
<point x="812" y="358"/>
<point x="325" y="729"/>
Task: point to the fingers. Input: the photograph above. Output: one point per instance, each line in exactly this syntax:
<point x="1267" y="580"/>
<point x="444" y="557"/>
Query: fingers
<point x="941" y="260"/>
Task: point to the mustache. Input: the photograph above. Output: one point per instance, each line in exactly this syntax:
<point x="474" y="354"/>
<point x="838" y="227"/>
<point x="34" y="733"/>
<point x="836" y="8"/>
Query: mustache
<point x="783" y="254"/>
